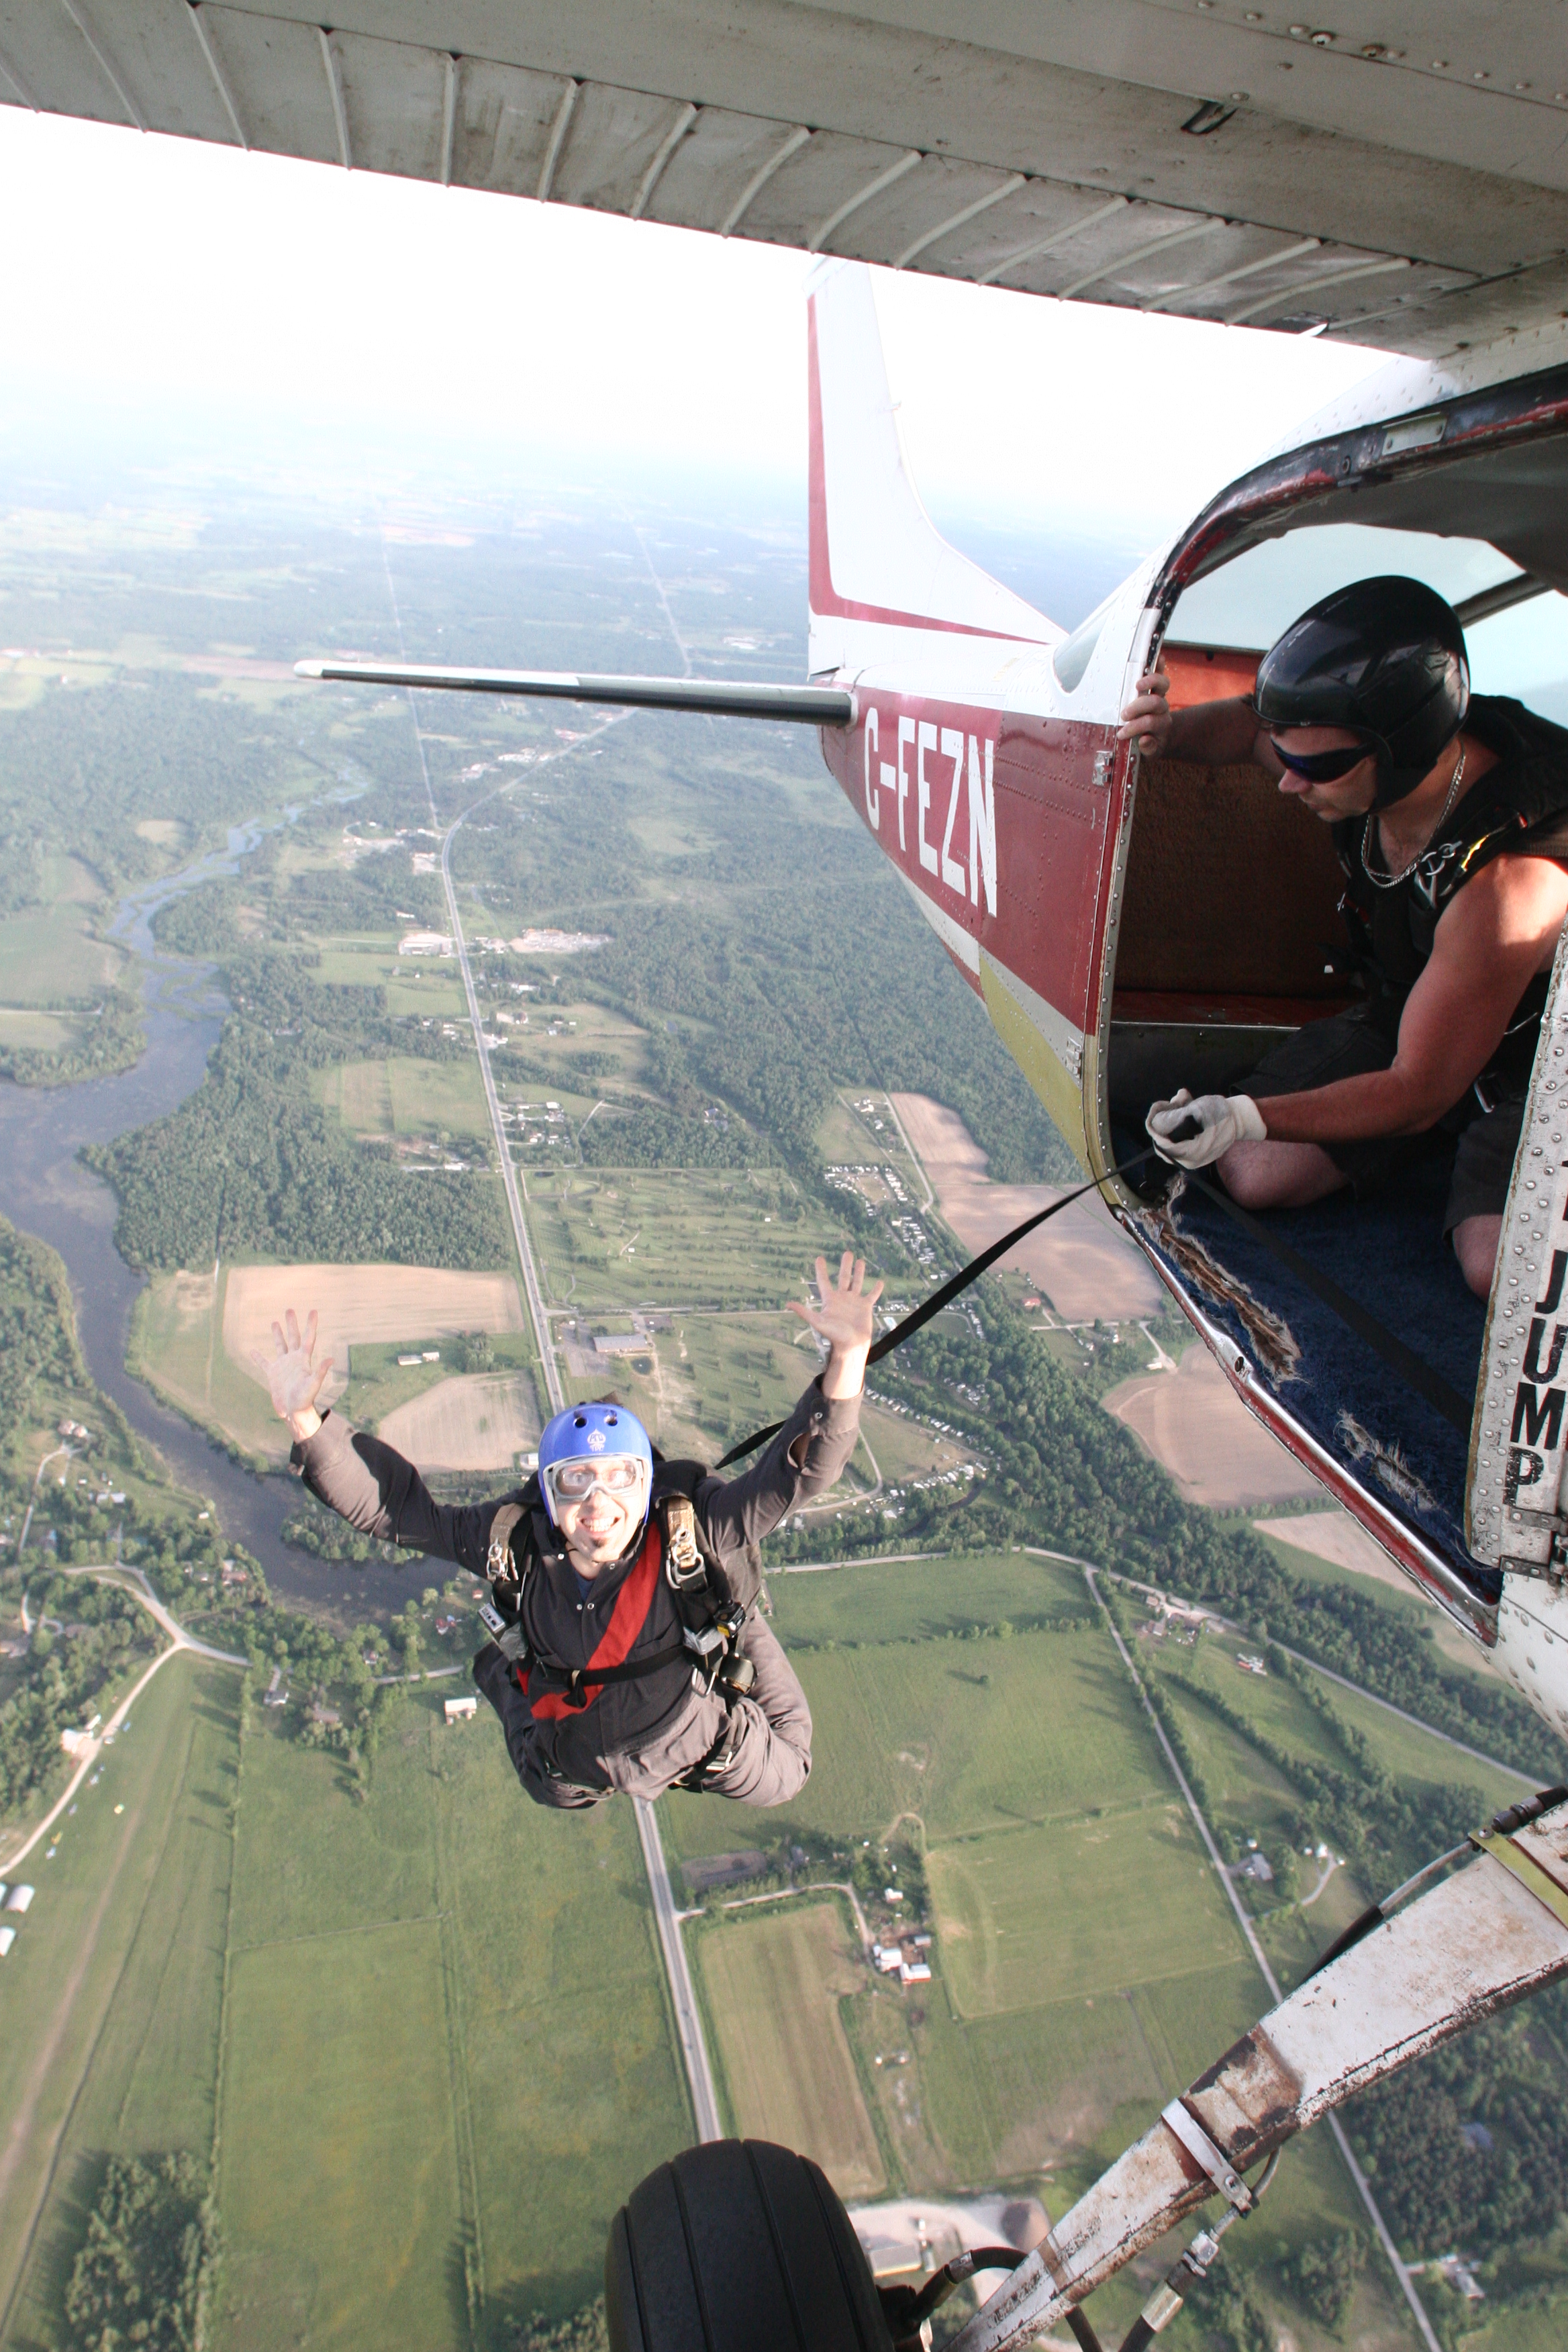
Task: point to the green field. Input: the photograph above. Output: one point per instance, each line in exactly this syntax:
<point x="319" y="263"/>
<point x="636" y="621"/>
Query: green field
<point x="444" y="2040"/>
<point x="774" y="1981"/>
<point x="447" y="2008"/>
<point x="112" y="1990"/>
<point x="1086" y="1964"/>
<point x="404" y="1097"/>
<point x="49" y="957"/>
<point x="616" y="1237"/>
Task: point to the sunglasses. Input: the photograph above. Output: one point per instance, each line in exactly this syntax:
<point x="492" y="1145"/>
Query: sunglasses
<point x="1323" y="767"/>
<point x="573" y="1482"/>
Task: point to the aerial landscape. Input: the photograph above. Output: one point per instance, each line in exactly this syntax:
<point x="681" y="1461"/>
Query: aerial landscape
<point x="645" y="651"/>
<point x="314" y="2033"/>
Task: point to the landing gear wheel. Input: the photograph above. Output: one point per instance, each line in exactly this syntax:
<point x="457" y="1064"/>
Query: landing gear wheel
<point x="739" y="2246"/>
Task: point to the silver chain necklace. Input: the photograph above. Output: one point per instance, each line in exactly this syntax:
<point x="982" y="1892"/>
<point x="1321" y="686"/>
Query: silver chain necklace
<point x="1385" y="881"/>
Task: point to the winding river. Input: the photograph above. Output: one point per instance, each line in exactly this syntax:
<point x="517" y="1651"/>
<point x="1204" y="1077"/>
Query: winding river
<point x="45" y="1189"/>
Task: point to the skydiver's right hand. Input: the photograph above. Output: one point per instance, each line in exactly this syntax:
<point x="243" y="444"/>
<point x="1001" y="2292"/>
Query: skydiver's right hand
<point x="293" y="1382"/>
<point x="1147" y="717"/>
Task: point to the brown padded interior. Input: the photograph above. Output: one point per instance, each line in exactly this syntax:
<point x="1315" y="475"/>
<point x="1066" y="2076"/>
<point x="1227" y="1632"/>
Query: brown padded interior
<point x="1231" y="889"/>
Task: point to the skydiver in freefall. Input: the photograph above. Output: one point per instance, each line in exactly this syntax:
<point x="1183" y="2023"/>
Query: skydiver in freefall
<point x="627" y="1653"/>
<point x="1449" y="812"/>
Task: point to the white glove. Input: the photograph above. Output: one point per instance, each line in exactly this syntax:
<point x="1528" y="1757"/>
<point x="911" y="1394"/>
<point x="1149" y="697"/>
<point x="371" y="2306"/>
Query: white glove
<point x="1220" y="1121"/>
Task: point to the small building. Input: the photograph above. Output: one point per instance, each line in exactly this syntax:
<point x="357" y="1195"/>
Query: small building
<point x="20" y="1899"/>
<point x="921" y="1943"/>
<point x="1256" y="1866"/>
<point x="458" y="1710"/>
<point x="888" y="1958"/>
<point x="913" y="1973"/>
<point x="1251" y="1665"/>
<point x="403" y="1362"/>
<point x="7" y="1937"/>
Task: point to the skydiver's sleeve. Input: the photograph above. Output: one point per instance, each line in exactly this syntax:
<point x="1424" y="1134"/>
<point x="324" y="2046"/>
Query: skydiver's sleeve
<point x="807" y="1456"/>
<point x="370" y="1486"/>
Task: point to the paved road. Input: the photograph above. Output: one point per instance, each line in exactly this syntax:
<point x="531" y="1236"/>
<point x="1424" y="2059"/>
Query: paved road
<point x="178" y="1640"/>
<point x="683" y="1998"/>
<point x="687" y="2018"/>
<point x="541" y="1320"/>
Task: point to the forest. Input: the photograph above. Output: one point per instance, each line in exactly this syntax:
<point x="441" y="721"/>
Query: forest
<point x="775" y="951"/>
<point x="250" y="1162"/>
<point x="145" y="2272"/>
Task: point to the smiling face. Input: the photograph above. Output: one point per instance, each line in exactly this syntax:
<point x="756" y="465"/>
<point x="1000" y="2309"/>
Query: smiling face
<point x="596" y="1527"/>
<point x="1351" y="794"/>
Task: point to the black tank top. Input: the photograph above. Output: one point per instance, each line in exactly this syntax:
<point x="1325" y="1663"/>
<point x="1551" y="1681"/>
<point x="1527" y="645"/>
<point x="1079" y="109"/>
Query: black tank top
<point x="1520" y="809"/>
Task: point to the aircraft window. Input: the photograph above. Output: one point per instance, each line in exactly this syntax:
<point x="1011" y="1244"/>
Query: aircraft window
<point x="1248" y="601"/>
<point x="1074" y="653"/>
<point x="1524" y="652"/>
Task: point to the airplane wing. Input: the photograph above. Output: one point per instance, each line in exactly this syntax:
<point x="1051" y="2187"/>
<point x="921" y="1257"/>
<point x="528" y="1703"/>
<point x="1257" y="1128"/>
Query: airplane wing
<point x="1399" y="176"/>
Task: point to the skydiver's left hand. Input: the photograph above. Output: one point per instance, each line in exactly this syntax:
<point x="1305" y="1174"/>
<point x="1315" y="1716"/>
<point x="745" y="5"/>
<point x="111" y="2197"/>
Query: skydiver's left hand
<point x="293" y="1379"/>
<point x="1216" y="1120"/>
<point x="845" y="1319"/>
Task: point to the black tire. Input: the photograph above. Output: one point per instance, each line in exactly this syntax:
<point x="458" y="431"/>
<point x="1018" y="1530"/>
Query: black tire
<point x="739" y="2246"/>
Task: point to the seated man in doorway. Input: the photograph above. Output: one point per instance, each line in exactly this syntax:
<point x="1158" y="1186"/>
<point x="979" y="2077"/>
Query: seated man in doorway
<point x="628" y="1654"/>
<point x="1450" y="812"/>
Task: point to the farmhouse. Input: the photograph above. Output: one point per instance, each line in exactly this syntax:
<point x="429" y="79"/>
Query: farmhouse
<point x="458" y="1709"/>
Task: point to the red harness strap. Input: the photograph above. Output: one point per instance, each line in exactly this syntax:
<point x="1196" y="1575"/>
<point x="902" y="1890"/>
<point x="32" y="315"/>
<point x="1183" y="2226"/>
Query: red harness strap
<point x="630" y="1616"/>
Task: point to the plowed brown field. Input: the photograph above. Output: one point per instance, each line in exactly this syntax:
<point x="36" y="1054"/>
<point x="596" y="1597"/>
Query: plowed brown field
<point x="1079" y="1260"/>
<point x="357" y="1304"/>
<point x="1194" y="1423"/>
<point x="480" y="1421"/>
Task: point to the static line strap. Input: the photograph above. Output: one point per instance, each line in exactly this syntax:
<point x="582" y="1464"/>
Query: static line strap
<point x="1529" y="1872"/>
<point x="950" y="1290"/>
<point x="1204" y="2152"/>
<point x="1411" y="1369"/>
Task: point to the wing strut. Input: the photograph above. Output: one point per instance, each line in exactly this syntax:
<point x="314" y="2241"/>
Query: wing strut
<point x="804" y="706"/>
<point x="1488" y="1935"/>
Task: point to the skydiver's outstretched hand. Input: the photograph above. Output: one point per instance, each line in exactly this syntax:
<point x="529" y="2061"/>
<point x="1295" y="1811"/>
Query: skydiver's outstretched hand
<point x="292" y="1381"/>
<point x="1148" y="716"/>
<point x="845" y="1319"/>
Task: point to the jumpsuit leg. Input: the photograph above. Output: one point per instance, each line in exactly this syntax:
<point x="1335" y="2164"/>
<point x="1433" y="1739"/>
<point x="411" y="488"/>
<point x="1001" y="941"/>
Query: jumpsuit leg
<point x="771" y="1756"/>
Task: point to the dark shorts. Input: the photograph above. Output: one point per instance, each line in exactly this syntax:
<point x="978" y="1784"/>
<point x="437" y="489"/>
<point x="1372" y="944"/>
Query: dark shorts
<point x="1347" y="1046"/>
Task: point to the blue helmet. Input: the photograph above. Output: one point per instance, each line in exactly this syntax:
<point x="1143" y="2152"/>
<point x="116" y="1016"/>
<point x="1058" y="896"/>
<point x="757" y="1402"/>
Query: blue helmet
<point x="594" y="1432"/>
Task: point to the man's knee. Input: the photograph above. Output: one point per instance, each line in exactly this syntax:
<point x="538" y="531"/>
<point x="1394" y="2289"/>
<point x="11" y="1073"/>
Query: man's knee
<point x="1475" y="1246"/>
<point x="769" y="1761"/>
<point x="1278" y="1175"/>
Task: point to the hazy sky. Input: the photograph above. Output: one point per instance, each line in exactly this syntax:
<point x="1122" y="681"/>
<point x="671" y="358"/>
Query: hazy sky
<point x="223" y="294"/>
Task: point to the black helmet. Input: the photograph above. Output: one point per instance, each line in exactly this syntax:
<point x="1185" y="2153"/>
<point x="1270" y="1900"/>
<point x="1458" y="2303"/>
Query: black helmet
<point x="1385" y="656"/>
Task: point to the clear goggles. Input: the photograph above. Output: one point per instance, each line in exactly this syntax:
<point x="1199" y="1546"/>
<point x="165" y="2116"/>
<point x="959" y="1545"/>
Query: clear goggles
<point x="573" y="1481"/>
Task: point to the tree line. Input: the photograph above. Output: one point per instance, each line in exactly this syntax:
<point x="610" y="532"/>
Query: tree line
<point x="250" y="1161"/>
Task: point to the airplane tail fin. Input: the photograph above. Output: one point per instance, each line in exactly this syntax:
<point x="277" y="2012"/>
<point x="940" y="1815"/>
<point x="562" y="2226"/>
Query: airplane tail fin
<point x="877" y="559"/>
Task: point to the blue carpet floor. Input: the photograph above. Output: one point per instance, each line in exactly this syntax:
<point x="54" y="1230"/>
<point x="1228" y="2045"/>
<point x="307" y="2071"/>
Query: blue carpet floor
<point x="1388" y="1253"/>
